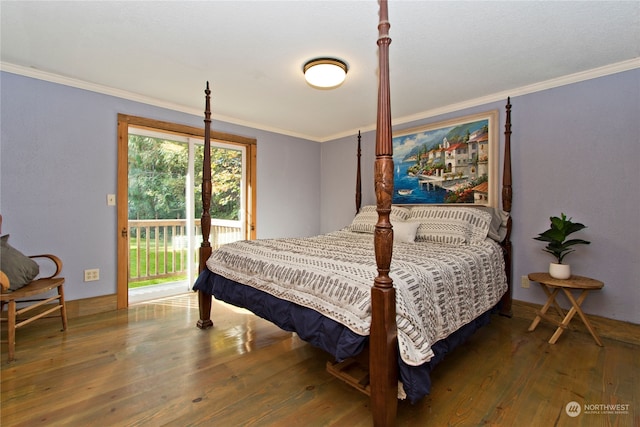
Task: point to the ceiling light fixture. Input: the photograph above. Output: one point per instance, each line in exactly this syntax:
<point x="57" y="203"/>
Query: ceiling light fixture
<point x="325" y="73"/>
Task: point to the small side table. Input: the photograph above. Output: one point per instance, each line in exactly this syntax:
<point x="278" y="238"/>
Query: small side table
<point x="551" y="287"/>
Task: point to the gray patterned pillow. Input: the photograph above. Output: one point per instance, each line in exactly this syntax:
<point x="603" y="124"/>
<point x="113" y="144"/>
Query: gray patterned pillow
<point x="450" y="224"/>
<point x="19" y="268"/>
<point x="365" y="221"/>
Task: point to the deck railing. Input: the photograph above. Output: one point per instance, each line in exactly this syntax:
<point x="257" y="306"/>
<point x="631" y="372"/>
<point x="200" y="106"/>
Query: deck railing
<point x="158" y="248"/>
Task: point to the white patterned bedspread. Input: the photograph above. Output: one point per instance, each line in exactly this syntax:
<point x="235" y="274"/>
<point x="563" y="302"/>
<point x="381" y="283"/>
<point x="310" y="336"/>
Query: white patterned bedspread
<point x="439" y="288"/>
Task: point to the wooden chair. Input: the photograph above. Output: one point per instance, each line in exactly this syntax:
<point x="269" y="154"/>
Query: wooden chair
<point x="32" y="309"/>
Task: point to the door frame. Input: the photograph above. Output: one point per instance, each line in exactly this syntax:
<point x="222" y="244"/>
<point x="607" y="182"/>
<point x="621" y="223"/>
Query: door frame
<point x="122" y="195"/>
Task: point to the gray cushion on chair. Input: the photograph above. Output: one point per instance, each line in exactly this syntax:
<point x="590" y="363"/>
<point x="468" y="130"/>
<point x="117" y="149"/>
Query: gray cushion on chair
<point x="19" y="268"/>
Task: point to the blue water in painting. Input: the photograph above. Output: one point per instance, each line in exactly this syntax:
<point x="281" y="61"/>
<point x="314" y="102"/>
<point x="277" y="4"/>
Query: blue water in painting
<point x="421" y="193"/>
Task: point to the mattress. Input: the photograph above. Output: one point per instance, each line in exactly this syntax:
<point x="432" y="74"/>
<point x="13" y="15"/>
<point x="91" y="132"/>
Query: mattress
<point x="439" y="287"/>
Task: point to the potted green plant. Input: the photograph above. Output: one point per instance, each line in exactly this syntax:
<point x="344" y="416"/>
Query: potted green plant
<point x="558" y="245"/>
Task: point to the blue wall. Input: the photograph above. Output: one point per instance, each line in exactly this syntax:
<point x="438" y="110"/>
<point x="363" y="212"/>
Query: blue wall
<point x="58" y="163"/>
<point x="575" y="149"/>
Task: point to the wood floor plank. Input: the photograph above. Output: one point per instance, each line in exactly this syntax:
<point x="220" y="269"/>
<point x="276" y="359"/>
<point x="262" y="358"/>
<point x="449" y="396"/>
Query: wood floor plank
<point x="150" y="366"/>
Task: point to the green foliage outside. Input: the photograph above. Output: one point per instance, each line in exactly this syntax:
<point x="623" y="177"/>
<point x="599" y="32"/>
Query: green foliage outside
<point x="157" y="171"/>
<point x="157" y="179"/>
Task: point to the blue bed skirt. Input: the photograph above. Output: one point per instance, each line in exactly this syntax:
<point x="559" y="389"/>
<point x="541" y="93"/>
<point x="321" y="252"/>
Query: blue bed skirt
<point x="326" y="333"/>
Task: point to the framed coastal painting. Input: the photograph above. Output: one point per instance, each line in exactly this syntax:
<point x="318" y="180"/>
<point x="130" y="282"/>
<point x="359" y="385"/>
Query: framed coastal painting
<point x="450" y="162"/>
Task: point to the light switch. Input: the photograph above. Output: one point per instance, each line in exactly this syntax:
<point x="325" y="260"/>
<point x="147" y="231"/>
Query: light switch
<point x="111" y="199"/>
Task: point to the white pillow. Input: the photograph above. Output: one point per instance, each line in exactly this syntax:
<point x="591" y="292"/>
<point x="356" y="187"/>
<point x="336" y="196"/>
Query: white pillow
<point x="405" y="231"/>
<point x="365" y="221"/>
<point x="450" y="224"/>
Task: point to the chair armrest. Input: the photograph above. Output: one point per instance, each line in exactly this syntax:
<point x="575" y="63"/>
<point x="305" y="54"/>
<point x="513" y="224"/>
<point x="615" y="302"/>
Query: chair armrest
<point x="4" y="281"/>
<point x="57" y="261"/>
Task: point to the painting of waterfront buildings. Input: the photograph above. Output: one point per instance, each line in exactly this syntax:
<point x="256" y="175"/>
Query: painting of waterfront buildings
<point x="448" y="162"/>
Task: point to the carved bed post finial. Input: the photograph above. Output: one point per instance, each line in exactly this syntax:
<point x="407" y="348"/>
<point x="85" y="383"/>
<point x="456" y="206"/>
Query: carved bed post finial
<point x="358" y="178"/>
<point x="205" y="220"/>
<point x="507" y="194"/>
<point x="383" y="362"/>
<point x="507" y="198"/>
<point x="206" y="178"/>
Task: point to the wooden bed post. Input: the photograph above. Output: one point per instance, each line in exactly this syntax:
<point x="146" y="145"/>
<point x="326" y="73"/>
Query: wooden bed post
<point x="204" y="299"/>
<point x="383" y="339"/>
<point x="358" y="178"/>
<point x="507" y="196"/>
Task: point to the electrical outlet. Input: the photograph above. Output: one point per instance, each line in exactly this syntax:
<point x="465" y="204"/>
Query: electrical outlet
<point x="524" y="282"/>
<point x="92" y="275"/>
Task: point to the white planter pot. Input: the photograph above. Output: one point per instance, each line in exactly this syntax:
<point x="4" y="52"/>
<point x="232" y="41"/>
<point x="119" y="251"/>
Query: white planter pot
<point x="559" y="271"/>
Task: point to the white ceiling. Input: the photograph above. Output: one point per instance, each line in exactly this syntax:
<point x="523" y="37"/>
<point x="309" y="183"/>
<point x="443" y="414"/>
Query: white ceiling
<point x="443" y="55"/>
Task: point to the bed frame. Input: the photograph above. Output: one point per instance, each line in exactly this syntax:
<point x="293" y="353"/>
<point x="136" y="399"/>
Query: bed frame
<point x="383" y="363"/>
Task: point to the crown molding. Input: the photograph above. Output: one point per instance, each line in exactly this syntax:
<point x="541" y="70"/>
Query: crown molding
<point x="132" y="96"/>
<point x="525" y="90"/>
<point x="606" y="70"/>
<point x="495" y="97"/>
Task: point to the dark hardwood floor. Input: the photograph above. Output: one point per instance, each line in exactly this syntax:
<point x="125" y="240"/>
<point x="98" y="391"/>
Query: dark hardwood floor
<point x="150" y="365"/>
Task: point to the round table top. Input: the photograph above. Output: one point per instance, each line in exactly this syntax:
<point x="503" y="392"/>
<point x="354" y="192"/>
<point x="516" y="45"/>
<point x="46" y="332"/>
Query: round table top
<point x="574" y="282"/>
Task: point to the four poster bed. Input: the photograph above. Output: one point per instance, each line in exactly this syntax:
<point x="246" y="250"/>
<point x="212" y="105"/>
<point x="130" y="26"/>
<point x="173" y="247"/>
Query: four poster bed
<point x="451" y="268"/>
